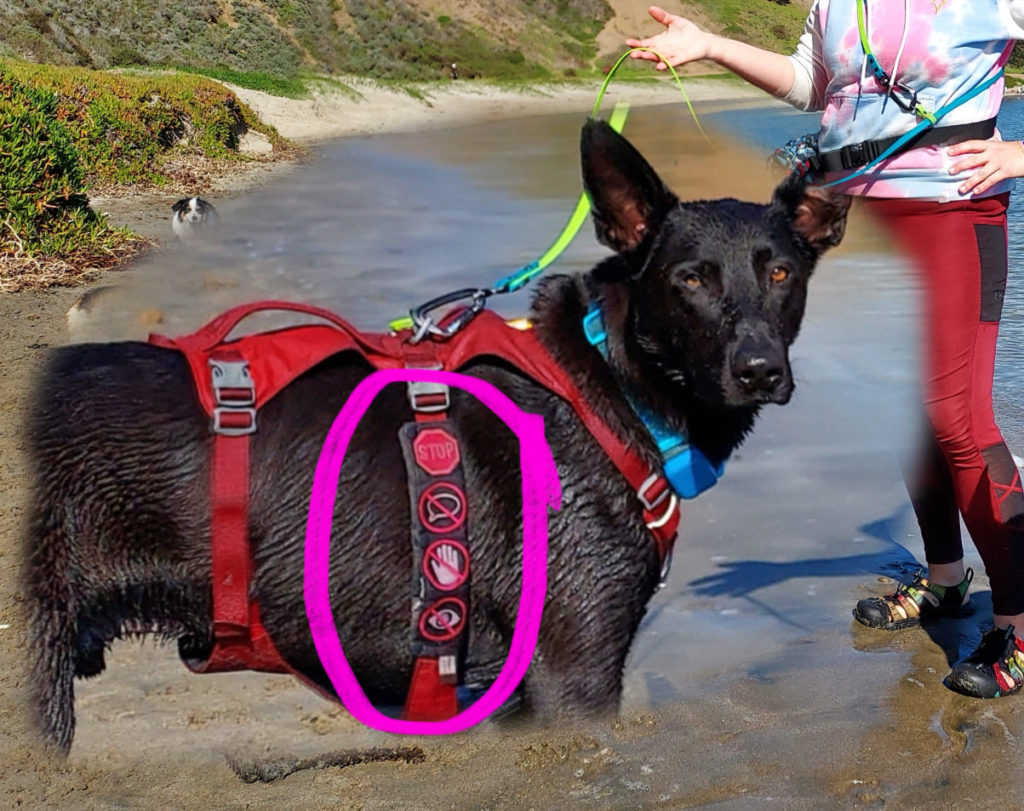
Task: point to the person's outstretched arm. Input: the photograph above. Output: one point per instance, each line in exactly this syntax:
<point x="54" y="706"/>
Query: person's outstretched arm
<point x="682" y="41"/>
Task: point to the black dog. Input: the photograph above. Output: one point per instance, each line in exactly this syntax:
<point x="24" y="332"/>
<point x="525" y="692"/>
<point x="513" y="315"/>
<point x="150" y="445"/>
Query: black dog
<point x="701" y="302"/>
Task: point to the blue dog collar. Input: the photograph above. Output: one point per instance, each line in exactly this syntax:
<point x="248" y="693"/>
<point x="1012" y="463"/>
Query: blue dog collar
<point x="687" y="470"/>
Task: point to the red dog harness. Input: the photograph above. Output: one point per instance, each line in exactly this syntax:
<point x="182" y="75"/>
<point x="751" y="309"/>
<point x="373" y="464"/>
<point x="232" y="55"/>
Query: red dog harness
<point x="235" y="378"/>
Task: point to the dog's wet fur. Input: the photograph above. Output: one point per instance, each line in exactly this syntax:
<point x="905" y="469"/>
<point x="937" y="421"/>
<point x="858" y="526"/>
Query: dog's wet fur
<point x="701" y="300"/>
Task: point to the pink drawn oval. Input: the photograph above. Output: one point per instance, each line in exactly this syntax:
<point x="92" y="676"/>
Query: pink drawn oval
<point x="541" y="489"/>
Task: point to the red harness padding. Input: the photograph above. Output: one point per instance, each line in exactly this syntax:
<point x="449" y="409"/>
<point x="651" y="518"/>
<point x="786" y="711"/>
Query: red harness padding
<point x="235" y="378"/>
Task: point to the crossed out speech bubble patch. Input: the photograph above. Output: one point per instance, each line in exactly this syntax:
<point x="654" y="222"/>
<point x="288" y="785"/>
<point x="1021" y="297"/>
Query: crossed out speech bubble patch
<point x="541" y="490"/>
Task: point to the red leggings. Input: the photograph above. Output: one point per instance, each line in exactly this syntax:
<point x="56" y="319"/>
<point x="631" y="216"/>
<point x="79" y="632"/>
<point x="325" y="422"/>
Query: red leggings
<point x="958" y="251"/>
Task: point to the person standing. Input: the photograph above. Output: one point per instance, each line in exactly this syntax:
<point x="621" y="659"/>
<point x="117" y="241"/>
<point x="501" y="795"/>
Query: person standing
<point x="875" y="70"/>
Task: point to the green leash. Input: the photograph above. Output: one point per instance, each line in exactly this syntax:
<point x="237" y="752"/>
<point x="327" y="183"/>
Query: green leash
<point x="524" y="275"/>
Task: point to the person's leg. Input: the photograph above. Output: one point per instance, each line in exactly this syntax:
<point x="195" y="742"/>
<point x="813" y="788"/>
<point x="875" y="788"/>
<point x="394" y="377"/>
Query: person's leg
<point x="933" y="496"/>
<point x="959" y="253"/>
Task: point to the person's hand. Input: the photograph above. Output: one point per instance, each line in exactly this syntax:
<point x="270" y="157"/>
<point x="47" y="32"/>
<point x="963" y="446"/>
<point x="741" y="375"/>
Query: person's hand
<point x="994" y="161"/>
<point x="679" y="43"/>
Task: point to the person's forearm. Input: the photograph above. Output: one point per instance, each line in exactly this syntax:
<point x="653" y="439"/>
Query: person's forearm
<point x="767" y="70"/>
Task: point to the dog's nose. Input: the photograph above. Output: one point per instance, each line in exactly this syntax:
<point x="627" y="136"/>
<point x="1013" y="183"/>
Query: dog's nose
<point x="759" y="367"/>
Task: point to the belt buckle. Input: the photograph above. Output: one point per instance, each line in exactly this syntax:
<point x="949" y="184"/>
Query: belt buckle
<point x="855" y="154"/>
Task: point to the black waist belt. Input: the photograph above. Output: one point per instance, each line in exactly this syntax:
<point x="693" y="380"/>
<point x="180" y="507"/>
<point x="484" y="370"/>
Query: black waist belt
<point x="854" y="155"/>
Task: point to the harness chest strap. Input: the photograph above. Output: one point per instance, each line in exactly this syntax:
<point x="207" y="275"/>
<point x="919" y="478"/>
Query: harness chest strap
<point x="271" y="361"/>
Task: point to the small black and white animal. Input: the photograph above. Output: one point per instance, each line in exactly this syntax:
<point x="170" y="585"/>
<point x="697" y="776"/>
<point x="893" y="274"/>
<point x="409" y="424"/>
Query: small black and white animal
<point x="191" y="216"/>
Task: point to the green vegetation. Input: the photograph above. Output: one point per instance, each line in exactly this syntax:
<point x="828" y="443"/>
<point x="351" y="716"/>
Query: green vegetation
<point x="383" y="39"/>
<point x="64" y="131"/>
<point x="123" y="127"/>
<point x="273" y="43"/>
<point x="289" y="87"/>
<point x="46" y="226"/>
<point x="392" y="39"/>
<point x="759" y="22"/>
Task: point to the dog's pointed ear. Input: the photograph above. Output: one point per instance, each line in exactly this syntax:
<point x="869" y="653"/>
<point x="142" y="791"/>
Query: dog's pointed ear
<point x="627" y="198"/>
<point x="818" y="214"/>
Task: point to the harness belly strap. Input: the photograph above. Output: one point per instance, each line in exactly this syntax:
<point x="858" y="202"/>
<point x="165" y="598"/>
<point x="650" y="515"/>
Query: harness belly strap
<point x="439" y="507"/>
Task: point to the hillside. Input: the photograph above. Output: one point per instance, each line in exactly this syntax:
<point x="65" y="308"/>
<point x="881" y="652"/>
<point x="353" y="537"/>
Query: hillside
<point x="389" y="39"/>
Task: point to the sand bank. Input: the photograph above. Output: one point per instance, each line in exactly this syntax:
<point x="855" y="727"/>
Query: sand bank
<point x="372" y="108"/>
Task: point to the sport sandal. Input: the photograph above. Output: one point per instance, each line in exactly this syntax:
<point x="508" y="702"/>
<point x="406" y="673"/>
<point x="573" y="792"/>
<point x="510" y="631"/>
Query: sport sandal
<point x="913" y="602"/>
<point x="996" y="668"/>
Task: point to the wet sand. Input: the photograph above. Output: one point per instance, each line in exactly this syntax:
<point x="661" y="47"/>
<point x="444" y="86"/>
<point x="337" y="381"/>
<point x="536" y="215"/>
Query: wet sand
<point x="749" y="683"/>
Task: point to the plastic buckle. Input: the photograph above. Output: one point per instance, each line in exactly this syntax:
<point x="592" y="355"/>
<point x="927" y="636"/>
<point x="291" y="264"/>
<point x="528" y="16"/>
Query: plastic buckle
<point x="854" y="155"/>
<point x="218" y="425"/>
<point x="232" y="383"/>
<point x="593" y="327"/>
<point x="428" y="397"/>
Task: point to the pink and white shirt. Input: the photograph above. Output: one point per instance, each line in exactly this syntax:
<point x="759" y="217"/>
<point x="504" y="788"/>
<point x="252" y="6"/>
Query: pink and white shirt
<point x="940" y="48"/>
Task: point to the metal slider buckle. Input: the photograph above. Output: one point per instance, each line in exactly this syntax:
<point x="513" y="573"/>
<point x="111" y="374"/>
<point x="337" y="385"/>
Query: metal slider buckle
<point x="650" y="482"/>
<point x="666" y="516"/>
<point x="908" y="105"/>
<point x="218" y="427"/>
<point x="428" y="397"/>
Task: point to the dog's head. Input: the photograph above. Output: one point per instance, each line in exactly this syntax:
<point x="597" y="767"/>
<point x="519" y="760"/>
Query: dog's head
<point x="715" y="289"/>
<point x="191" y="210"/>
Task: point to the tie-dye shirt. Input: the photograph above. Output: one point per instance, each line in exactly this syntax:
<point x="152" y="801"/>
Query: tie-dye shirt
<point x="951" y="46"/>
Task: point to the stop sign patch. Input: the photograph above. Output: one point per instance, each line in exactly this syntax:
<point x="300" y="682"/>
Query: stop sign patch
<point x="436" y="451"/>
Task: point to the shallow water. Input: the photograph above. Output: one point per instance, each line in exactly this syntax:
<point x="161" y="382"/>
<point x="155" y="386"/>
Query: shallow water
<point x="748" y="682"/>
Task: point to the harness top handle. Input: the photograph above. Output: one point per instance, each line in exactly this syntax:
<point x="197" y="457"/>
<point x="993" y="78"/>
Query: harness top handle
<point x="214" y="333"/>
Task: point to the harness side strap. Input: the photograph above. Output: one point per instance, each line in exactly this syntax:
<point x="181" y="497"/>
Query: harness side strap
<point x="239" y="638"/>
<point x="229" y="519"/>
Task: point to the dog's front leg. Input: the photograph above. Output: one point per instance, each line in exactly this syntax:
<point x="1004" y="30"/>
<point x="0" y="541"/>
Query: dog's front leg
<point x="579" y="676"/>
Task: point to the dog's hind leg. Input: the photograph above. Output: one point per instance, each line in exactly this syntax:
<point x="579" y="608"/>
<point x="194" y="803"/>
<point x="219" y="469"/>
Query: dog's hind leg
<point x="52" y="629"/>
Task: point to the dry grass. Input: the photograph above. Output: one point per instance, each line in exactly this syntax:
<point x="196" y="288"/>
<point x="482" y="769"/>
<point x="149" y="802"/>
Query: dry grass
<point x="19" y="272"/>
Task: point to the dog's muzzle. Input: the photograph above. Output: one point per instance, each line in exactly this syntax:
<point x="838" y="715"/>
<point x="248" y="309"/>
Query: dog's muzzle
<point x="760" y="371"/>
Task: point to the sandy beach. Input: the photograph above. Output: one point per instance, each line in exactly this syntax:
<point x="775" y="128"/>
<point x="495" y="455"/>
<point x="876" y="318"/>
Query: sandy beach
<point x="749" y="684"/>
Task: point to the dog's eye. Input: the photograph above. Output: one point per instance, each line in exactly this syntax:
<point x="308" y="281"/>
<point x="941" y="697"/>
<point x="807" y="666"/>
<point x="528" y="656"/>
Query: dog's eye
<point x="779" y="275"/>
<point x="692" y="280"/>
